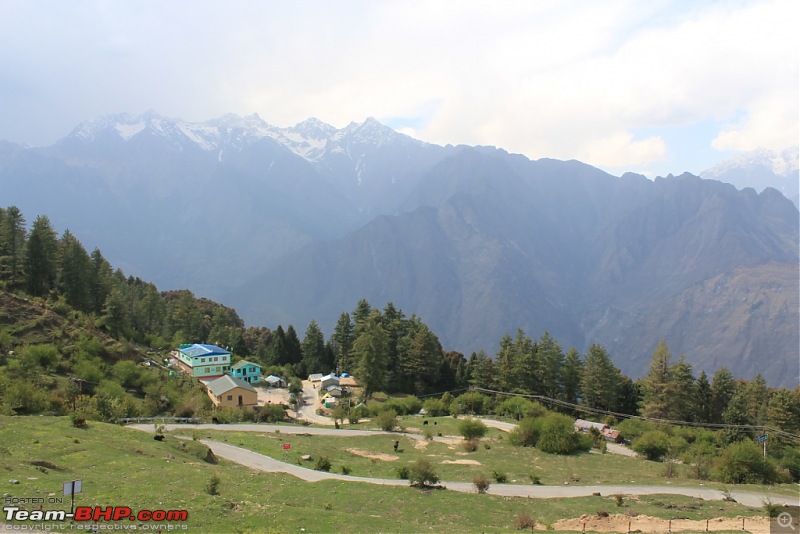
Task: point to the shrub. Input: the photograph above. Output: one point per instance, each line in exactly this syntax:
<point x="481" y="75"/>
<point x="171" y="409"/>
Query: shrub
<point x="386" y="420"/>
<point x="526" y="434"/>
<point x="519" y="407"/>
<point x="346" y="470"/>
<point x="631" y="429"/>
<point x="670" y="469"/>
<point x="78" y="420"/>
<point x="499" y="477"/>
<point x="435" y="407"/>
<point x="619" y="499"/>
<point x="212" y="486"/>
<point x="356" y="414"/>
<point x="653" y="445"/>
<point x="273" y="413"/>
<point x="790" y="461"/>
<point x="323" y="463"/>
<point x="524" y="521"/>
<point x="471" y="402"/>
<point x="481" y="483"/>
<point x="472" y="428"/>
<point x="403" y="472"/>
<point x="471" y="445"/>
<point x="743" y="463"/>
<point x="771" y="509"/>
<point x="412" y="405"/>
<point x="558" y="435"/>
<point x="421" y="473"/>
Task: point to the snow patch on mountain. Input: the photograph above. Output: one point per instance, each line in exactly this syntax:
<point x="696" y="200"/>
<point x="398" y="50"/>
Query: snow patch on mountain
<point x="311" y="139"/>
<point x="779" y="163"/>
<point x="760" y="169"/>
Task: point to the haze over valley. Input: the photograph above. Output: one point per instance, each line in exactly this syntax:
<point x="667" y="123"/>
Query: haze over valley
<point x="292" y="224"/>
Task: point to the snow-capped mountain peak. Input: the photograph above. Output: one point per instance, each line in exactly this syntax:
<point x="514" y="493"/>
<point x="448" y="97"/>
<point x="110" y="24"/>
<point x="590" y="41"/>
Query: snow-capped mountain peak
<point x="310" y="139"/>
<point x="759" y="169"/>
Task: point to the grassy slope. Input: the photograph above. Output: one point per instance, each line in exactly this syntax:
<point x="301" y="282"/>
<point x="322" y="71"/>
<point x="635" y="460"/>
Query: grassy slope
<point x="123" y="467"/>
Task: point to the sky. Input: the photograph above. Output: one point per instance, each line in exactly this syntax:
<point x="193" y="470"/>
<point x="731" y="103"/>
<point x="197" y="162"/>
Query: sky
<point x="653" y="87"/>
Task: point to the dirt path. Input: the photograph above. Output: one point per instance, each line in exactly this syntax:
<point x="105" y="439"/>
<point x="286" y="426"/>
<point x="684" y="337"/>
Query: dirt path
<point x="307" y="411"/>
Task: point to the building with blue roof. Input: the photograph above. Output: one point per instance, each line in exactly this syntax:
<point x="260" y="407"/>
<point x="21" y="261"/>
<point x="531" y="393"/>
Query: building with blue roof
<point x="203" y="360"/>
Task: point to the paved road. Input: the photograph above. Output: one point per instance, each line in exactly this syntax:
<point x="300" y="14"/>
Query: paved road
<point x="265" y="463"/>
<point x="284" y="429"/>
<point x="308" y="410"/>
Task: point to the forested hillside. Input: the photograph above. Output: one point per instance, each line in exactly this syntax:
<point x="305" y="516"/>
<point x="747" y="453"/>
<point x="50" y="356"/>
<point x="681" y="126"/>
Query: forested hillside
<point x="290" y="225"/>
<point x="74" y="331"/>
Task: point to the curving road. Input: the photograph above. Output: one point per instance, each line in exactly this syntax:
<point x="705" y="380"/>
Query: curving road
<point x="261" y="462"/>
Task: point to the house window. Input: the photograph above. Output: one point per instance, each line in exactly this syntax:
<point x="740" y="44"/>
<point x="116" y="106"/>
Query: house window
<point x="230" y="397"/>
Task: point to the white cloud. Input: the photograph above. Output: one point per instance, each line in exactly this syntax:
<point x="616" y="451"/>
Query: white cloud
<point x="620" y="149"/>
<point x="563" y="79"/>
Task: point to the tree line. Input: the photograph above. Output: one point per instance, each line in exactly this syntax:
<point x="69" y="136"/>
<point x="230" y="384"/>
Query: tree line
<point x="386" y="350"/>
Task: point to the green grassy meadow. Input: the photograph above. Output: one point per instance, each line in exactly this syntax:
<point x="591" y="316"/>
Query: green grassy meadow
<point x="125" y="467"/>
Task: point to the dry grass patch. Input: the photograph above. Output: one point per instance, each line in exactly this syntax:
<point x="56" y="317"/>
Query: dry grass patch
<point x="373" y="455"/>
<point x="461" y="462"/>
<point x="420" y="445"/>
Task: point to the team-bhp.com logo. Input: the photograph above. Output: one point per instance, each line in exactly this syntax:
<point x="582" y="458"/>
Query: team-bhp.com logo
<point x="94" y="513"/>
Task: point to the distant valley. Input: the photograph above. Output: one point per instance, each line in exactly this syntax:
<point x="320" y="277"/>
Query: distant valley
<point x="292" y="224"/>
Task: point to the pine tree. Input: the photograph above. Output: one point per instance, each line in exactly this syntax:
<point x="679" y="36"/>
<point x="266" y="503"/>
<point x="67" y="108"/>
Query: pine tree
<point x="41" y="257"/>
<point x="424" y="360"/>
<point x="551" y="366"/>
<point x="398" y="328"/>
<point x="783" y="411"/>
<point x="481" y="371"/>
<point x="361" y="314"/>
<point x="683" y="391"/>
<point x="99" y="281"/>
<point x="313" y="347"/>
<point x="735" y="413"/>
<point x="655" y="386"/>
<point x="74" y="272"/>
<point x="277" y="353"/>
<point x="505" y="368"/>
<point x="184" y="317"/>
<point x="757" y="395"/>
<point x="294" y="349"/>
<point x="371" y="353"/>
<point x="722" y="389"/>
<point x="115" y="312"/>
<point x="342" y="343"/>
<point x="702" y="399"/>
<point x="12" y="245"/>
<point x="572" y="376"/>
<point x="600" y="380"/>
<point x="525" y="366"/>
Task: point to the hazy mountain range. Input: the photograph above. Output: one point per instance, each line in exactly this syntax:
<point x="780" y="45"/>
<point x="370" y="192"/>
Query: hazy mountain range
<point x="760" y="169"/>
<point x="293" y="224"/>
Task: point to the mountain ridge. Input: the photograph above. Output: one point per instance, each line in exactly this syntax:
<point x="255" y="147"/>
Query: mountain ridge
<point x="293" y="224"/>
